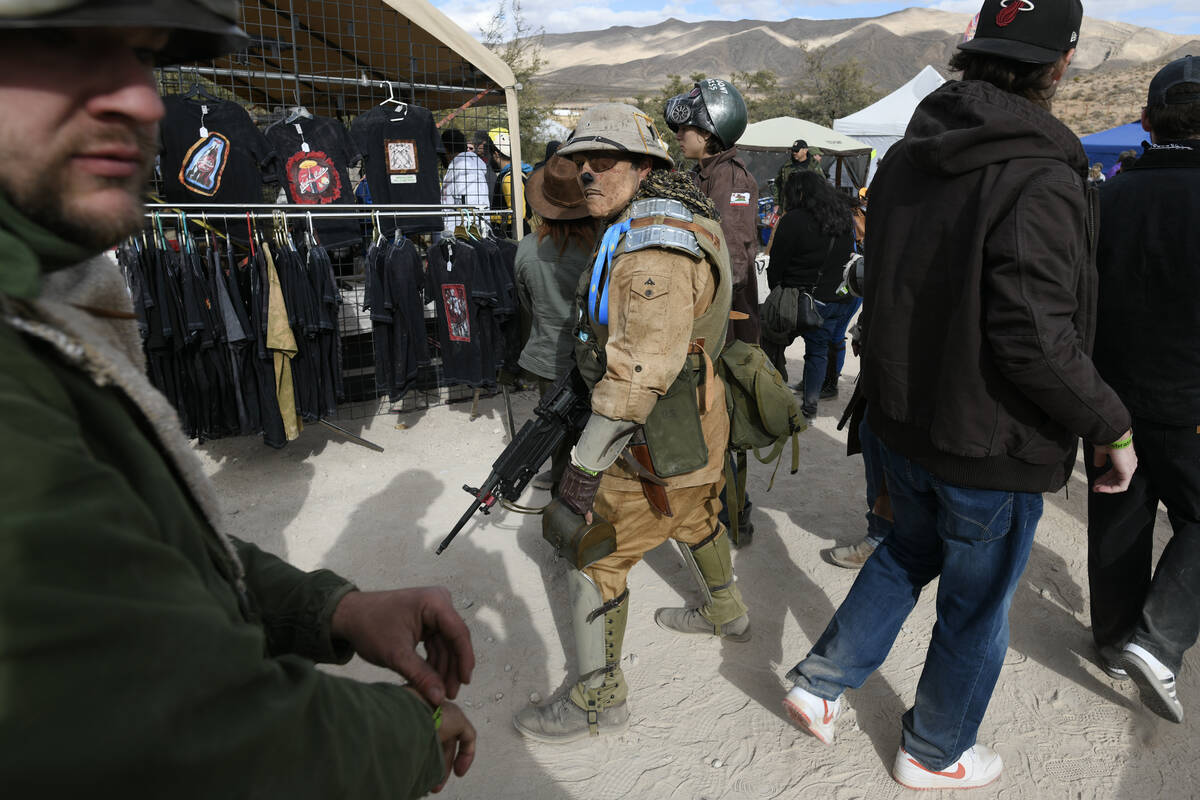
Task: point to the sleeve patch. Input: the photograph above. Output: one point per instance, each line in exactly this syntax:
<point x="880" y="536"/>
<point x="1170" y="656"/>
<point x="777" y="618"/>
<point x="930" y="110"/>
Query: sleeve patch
<point x="739" y="199"/>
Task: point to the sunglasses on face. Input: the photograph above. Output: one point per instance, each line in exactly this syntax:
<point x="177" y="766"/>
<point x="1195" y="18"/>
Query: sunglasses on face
<point x="599" y="162"/>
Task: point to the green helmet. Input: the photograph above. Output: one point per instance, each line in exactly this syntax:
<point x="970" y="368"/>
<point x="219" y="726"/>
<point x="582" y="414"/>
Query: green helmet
<point x="712" y="105"/>
<point x="199" y="29"/>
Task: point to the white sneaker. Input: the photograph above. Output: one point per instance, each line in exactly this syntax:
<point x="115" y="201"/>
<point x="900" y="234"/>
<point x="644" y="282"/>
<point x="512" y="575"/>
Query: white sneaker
<point x="813" y="714"/>
<point x="977" y="766"/>
<point x="1154" y="680"/>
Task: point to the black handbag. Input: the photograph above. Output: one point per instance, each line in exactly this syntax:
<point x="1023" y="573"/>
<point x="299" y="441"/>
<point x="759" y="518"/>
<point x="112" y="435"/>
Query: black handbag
<point x="807" y="315"/>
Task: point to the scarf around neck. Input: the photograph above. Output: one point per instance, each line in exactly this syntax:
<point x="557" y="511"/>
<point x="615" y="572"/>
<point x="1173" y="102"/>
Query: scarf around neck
<point x="27" y="250"/>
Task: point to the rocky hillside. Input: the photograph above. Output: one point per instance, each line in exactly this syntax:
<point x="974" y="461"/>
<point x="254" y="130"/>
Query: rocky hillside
<point x="1106" y="84"/>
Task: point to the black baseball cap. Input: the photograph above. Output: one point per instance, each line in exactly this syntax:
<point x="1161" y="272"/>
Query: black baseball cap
<point x="1032" y="31"/>
<point x="1181" y="70"/>
<point x="799" y="144"/>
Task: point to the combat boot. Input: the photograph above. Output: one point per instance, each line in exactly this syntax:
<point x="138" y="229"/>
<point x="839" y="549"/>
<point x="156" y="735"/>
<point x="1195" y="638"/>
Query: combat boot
<point x="723" y="613"/>
<point x="597" y="703"/>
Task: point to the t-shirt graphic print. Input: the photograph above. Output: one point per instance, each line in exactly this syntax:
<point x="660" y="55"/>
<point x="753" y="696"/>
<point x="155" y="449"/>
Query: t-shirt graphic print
<point x="313" y="178"/>
<point x="458" y="316"/>
<point x="204" y="164"/>
<point x="402" y="165"/>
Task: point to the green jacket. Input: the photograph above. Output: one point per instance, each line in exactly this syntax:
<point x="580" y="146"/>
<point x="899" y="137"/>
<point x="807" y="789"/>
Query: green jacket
<point x="790" y="166"/>
<point x="140" y="654"/>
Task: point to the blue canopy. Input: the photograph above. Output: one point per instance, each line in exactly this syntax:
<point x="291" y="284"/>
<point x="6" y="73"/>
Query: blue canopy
<point x="1105" y="146"/>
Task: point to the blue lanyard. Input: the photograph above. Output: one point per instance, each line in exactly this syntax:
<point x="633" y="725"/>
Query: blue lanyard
<point x="598" y="306"/>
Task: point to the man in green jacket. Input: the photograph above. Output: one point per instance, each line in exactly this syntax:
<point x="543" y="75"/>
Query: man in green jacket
<point x="144" y="652"/>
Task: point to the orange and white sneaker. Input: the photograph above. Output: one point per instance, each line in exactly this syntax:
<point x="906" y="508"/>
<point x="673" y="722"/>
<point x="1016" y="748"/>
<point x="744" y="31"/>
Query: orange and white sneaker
<point x="813" y="714"/>
<point x="977" y="766"/>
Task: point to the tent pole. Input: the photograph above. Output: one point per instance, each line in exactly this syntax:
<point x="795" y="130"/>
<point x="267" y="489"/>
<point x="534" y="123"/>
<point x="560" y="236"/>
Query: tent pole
<point x="514" y="131"/>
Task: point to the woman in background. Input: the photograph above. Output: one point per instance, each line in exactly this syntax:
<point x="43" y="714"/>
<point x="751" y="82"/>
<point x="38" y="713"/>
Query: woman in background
<point x="812" y="242"/>
<point x="548" y="265"/>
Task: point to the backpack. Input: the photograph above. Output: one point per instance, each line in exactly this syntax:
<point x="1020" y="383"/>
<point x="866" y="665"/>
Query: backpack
<point x="763" y="412"/>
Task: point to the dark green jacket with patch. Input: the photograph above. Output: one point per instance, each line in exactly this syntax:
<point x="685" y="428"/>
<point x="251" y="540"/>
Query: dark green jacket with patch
<point x="141" y="653"/>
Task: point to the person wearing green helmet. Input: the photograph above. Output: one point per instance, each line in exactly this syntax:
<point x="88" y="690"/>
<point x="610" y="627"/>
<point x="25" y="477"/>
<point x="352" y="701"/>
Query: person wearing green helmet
<point x="707" y="121"/>
<point x="149" y="653"/>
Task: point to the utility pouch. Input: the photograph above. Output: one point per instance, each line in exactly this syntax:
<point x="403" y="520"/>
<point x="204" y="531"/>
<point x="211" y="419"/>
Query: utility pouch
<point x="673" y="432"/>
<point x="574" y="539"/>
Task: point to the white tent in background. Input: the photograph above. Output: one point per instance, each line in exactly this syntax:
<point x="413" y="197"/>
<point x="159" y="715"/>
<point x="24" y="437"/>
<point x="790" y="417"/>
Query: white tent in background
<point x="882" y="123"/>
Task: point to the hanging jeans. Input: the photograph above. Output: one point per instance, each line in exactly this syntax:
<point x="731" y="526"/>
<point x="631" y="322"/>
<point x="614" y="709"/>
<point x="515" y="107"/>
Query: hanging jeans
<point x="978" y="541"/>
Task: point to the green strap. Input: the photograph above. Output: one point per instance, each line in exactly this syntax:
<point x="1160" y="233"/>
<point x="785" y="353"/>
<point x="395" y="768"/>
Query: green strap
<point x="733" y="499"/>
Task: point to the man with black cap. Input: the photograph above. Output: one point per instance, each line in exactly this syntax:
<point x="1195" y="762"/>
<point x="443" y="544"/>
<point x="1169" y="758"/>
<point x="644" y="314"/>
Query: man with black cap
<point x="978" y="318"/>
<point x="144" y="651"/>
<point x="802" y="158"/>
<point x="1145" y="616"/>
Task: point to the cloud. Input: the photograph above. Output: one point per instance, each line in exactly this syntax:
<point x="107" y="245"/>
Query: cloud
<point x="554" y="16"/>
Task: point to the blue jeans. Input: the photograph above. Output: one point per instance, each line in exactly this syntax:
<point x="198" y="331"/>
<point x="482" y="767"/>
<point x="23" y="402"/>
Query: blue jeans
<point x="872" y="453"/>
<point x="978" y="541"/>
<point x="816" y="348"/>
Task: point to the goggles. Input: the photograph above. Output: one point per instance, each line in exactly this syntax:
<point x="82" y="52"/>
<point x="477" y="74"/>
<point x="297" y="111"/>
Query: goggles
<point x="598" y="161"/>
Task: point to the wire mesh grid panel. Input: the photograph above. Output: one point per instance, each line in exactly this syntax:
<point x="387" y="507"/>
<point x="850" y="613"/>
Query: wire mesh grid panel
<point x="338" y="60"/>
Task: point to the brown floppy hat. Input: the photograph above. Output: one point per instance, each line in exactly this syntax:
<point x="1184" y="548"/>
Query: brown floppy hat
<point x="554" y="191"/>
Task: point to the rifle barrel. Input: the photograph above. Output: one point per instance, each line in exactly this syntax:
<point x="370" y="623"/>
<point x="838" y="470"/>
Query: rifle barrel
<point x="479" y="502"/>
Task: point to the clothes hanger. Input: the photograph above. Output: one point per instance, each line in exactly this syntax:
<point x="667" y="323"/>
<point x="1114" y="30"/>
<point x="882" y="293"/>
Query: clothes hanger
<point x="401" y="106"/>
<point x="197" y="91"/>
<point x="311" y="234"/>
<point x="376" y="229"/>
<point x="297" y="112"/>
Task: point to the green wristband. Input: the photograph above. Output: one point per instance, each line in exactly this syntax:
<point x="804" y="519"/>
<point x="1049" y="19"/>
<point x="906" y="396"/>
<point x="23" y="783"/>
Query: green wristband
<point x="1122" y="443"/>
<point x="437" y="718"/>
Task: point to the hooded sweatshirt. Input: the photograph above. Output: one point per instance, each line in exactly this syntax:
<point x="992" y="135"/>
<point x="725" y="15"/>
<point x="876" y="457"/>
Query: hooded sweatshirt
<point x="980" y="295"/>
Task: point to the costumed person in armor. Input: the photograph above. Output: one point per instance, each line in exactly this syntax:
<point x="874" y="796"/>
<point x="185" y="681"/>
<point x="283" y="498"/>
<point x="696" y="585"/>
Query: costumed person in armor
<point x="707" y="121"/>
<point x="653" y="312"/>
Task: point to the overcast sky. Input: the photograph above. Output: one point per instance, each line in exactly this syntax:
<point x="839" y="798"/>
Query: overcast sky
<point x="564" y="16"/>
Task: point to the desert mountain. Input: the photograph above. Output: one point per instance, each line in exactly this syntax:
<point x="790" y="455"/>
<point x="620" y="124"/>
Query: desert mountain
<point x="620" y="62"/>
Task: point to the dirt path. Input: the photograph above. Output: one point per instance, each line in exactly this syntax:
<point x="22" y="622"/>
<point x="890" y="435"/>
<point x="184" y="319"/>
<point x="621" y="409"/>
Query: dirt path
<point x="706" y="718"/>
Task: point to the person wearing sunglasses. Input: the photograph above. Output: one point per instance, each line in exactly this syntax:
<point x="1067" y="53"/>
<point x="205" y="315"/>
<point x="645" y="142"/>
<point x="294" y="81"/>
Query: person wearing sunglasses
<point x="652" y="312"/>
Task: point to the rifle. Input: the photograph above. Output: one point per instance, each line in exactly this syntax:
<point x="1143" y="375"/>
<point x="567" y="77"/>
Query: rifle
<point x="561" y="413"/>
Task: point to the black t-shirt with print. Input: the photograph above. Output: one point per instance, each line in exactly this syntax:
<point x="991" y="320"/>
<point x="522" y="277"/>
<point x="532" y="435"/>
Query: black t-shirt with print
<point x="213" y="153"/>
<point x="463" y="293"/>
<point x="400" y="146"/>
<point x="315" y="154"/>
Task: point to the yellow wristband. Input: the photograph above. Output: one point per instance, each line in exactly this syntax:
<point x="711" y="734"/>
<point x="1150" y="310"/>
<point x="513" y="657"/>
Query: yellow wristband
<point x="1122" y="443"/>
<point x="437" y="718"/>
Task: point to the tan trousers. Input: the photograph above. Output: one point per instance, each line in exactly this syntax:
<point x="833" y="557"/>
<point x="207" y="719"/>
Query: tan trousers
<point x="640" y="528"/>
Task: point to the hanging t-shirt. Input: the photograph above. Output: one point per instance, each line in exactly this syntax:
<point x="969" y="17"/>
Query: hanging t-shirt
<point x="212" y="152"/>
<point x="400" y="146"/>
<point x="315" y="154"/>
<point x="462" y="294"/>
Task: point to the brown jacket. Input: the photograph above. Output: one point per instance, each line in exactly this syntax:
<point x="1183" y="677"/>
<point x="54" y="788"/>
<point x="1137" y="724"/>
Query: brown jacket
<point x="725" y="180"/>
<point x="646" y="342"/>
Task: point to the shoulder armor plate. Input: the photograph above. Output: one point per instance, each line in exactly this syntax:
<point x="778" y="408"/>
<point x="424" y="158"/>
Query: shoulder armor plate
<point x="666" y="236"/>
<point x="662" y="236"/>
<point x="653" y="206"/>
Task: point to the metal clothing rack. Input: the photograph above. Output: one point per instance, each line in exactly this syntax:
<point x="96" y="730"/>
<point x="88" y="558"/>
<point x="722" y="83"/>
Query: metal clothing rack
<point x="270" y="210"/>
<point x="339" y="59"/>
<point x="358" y="353"/>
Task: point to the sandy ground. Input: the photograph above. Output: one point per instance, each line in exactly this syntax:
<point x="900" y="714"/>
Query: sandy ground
<point x="706" y="717"/>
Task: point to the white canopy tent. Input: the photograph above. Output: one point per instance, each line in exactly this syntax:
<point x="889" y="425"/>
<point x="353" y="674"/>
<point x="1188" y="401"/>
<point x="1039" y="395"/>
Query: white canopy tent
<point x="883" y="123"/>
<point x="766" y="145"/>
